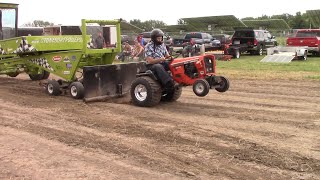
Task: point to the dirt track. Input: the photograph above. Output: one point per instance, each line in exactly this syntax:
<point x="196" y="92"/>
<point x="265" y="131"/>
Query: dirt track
<point x="256" y="130"/>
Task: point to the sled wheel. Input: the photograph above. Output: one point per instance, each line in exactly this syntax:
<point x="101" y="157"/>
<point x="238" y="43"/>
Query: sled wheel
<point x="53" y="88"/>
<point x="172" y="95"/>
<point x="76" y="90"/>
<point x="201" y="87"/>
<point x="13" y="74"/>
<point x="224" y="84"/>
<point x="145" y="92"/>
<point x="46" y="75"/>
<point x="36" y="77"/>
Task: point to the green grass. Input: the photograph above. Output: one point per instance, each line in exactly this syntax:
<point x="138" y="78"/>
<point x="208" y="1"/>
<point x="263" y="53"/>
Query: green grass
<point x="250" y="67"/>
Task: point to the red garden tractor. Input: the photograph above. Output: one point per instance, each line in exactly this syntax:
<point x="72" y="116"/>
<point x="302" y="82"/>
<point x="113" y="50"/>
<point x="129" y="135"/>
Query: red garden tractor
<point x="198" y="71"/>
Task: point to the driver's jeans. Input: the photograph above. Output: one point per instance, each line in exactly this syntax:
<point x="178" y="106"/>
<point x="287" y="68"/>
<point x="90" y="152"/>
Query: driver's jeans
<point x="161" y="72"/>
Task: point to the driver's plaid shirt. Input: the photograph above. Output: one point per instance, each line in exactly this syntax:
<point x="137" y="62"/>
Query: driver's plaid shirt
<point x="155" y="52"/>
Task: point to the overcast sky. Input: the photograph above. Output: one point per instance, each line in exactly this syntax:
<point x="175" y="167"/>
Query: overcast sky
<point x="70" y="12"/>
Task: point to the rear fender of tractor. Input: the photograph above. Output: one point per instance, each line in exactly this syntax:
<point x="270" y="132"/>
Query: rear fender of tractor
<point x="148" y="73"/>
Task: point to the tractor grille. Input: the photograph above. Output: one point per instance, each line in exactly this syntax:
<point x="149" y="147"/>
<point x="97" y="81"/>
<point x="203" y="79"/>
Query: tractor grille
<point x="209" y="64"/>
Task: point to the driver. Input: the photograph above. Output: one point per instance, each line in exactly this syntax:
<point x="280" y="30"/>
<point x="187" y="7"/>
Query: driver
<point x="156" y="54"/>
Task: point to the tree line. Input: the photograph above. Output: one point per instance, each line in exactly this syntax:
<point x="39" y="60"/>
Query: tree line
<point x="298" y="21"/>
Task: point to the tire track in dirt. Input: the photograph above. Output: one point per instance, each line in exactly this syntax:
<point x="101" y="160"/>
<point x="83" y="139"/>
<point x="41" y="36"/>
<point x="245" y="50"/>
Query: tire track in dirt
<point x="216" y="136"/>
<point x="54" y="160"/>
<point x="144" y="134"/>
<point x="93" y="142"/>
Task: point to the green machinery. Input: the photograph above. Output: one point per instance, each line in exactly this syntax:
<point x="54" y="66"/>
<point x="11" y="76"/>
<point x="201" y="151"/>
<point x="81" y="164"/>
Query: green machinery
<point x="66" y="56"/>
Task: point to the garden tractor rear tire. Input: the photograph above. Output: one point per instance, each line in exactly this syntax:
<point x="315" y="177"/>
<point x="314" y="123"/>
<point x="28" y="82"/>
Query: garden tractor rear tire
<point x="145" y="92"/>
<point x="76" y="90"/>
<point x="53" y="88"/>
<point x="201" y="87"/>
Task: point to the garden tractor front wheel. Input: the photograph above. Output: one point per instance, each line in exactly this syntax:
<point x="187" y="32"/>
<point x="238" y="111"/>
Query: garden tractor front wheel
<point x="201" y="87"/>
<point x="224" y="84"/>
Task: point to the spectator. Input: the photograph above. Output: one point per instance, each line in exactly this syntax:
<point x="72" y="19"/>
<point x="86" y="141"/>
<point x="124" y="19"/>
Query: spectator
<point x="126" y="51"/>
<point x="138" y="50"/>
<point x="100" y="42"/>
<point x="140" y="39"/>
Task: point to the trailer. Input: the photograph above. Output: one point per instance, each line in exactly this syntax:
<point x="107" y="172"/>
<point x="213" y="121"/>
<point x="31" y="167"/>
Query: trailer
<point x="285" y="54"/>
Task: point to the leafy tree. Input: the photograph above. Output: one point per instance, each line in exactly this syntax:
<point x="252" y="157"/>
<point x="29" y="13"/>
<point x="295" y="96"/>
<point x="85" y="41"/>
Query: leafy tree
<point x="152" y="24"/>
<point x="38" y="23"/>
<point x="136" y="22"/>
<point x="286" y="17"/>
<point x="148" y="25"/>
<point x="248" y="18"/>
<point x="263" y="17"/>
<point x="299" y="21"/>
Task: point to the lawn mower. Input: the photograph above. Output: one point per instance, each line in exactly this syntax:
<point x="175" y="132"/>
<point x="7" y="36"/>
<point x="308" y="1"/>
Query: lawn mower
<point x="197" y="71"/>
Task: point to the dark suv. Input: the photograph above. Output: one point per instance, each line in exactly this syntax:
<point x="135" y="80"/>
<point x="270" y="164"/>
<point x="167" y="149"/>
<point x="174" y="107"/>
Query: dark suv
<point x="253" y="41"/>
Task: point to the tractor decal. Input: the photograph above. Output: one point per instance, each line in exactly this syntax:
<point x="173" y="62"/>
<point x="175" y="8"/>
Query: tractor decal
<point x="50" y="40"/>
<point x="42" y="62"/>
<point x="24" y="47"/>
<point x="2" y="51"/>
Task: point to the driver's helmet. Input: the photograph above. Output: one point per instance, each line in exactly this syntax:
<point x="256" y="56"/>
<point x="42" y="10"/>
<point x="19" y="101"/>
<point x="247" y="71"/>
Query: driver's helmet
<point x="156" y="33"/>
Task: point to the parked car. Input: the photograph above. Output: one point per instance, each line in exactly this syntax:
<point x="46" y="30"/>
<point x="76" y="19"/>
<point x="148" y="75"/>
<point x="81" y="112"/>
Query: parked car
<point x="201" y="38"/>
<point x="224" y="39"/>
<point x="198" y="38"/>
<point x="253" y="41"/>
